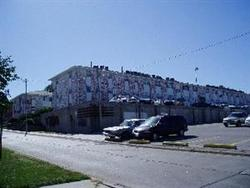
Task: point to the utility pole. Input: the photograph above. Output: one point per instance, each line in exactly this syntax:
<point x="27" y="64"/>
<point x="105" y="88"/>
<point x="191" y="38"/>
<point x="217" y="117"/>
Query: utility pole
<point x="26" y="105"/>
<point x="196" y="74"/>
<point x="99" y="97"/>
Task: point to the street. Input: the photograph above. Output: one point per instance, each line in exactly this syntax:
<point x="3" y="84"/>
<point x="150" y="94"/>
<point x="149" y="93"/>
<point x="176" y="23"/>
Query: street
<point x="198" y="135"/>
<point x="125" y="166"/>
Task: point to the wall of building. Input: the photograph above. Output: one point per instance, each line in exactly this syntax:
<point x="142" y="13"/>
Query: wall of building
<point x="79" y="85"/>
<point x="35" y="101"/>
<point x="85" y="118"/>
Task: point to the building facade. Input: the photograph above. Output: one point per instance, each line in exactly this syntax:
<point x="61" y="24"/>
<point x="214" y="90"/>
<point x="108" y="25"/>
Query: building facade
<point x="36" y="100"/>
<point x="79" y="85"/>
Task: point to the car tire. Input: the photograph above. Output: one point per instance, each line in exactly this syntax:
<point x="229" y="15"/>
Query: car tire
<point x="225" y="124"/>
<point x="181" y="133"/>
<point x="238" y="124"/>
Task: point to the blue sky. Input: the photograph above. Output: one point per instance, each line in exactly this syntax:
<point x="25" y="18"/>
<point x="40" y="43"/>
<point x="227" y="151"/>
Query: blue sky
<point x="44" y="37"/>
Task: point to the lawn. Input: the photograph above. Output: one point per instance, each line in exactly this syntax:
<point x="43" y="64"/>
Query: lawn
<point x="21" y="171"/>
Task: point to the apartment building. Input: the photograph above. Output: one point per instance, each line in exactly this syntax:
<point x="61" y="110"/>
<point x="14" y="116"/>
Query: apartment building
<point x="35" y="100"/>
<point x="79" y="85"/>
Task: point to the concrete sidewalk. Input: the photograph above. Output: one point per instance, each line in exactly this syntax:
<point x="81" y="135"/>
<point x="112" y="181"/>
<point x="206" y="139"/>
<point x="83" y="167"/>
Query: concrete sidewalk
<point x="83" y="183"/>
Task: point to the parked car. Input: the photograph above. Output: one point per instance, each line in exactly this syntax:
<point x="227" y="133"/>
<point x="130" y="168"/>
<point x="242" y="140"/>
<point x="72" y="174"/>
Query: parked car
<point x="124" y="130"/>
<point x="247" y="121"/>
<point x="235" y="118"/>
<point x="133" y="99"/>
<point x="169" y="102"/>
<point x="161" y="125"/>
<point x="118" y="99"/>
<point x="146" y="101"/>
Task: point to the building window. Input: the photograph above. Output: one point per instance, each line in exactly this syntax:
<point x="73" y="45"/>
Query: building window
<point x="89" y="96"/>
<point x="110" y="84"/>
<point x="136" y="87"/>
<point x="126" y="86"/>
<point x="88" y="81"/>
<point x="158" y="91"/>
<point x="146" y="90"/>
<point x="88" y="89"/>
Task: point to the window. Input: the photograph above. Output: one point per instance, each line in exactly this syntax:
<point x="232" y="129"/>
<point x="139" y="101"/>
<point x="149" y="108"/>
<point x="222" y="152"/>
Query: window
<point x="136" y="87"/>
<point x="88" y="81"/>
<point x="88" y="89"/>
<point x="158" y="91"/>
<point x="146" y="90"/>
<point x="110" y="84"/>
<point x="126" y="86"/>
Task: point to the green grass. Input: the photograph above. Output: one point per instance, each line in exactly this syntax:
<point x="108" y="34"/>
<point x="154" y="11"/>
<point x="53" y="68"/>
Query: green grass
<point x="21" y="171"/>
<point x="223" y="146"/>
<point x="135" y="141"/>
<point x="181" y="144"/>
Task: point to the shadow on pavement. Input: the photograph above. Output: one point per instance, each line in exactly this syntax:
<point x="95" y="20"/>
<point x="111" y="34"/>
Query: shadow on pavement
<point x="176" y="138"/>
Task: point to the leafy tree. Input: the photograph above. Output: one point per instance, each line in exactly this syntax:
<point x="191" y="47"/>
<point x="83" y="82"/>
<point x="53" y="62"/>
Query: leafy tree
<point x="49" y="88"/>
<point x="7" y="74"/>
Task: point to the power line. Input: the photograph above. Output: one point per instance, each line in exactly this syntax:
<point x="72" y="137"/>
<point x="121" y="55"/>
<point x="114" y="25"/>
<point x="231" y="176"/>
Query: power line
<point x="197" y="50"/>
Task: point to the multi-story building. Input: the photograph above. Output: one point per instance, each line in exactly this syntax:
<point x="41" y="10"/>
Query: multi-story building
<point x="35" y="100"/>
<point x="78" y="85"/>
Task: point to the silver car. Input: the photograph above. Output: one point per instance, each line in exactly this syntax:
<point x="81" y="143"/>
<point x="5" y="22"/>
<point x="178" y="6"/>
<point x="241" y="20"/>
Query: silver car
<point x="235" y="118"/>
<point x="124" y="130"/>
<point x="247" y="121"/>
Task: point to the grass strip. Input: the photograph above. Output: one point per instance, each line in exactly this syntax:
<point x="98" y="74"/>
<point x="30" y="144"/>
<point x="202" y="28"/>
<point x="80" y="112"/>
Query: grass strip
<point x="223" y="146"/>
<point x="134" y="141"/>
<point x="17" y="170"/>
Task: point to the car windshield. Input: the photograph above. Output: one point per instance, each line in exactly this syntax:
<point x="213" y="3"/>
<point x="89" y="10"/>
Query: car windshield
<point x="150" y="122"/>
<point x="127" y="123"/>
<point x="236" y="115"/>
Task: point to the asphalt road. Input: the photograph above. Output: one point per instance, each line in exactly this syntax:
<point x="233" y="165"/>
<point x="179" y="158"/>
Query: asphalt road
<point x="126" y="166"/>
<point x="199" y="135"/>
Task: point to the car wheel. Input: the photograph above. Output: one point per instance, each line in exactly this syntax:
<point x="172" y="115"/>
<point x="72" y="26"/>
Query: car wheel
<point x="225" y="124"/>
<point x="181" y="132"/>
<point x="238" y="124"/>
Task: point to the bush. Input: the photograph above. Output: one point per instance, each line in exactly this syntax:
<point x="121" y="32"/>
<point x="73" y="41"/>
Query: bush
<point x="30" y="121"/>
<point x="33" y="121"/>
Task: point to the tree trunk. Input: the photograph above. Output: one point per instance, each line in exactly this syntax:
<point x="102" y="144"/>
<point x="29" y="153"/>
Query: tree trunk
<point x="1" y="133"/>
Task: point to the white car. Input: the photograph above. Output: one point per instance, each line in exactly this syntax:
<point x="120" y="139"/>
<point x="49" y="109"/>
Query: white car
<point x="247" y="121"/>
<point x="235" y="118"/>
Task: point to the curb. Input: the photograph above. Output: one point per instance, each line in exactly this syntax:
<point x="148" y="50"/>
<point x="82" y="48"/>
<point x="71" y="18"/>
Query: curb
<point x="162" y="147"/>
<point x="181" y="144"/>
<point x="223" y="146"/>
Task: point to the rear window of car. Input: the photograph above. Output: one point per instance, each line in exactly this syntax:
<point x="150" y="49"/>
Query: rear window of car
<point x="237" y="115"/>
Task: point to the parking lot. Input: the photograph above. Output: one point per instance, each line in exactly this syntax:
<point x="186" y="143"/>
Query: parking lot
<point x="196" y="136"/>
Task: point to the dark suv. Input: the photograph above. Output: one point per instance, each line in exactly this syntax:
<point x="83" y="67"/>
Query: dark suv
<point x="161" y="125"/>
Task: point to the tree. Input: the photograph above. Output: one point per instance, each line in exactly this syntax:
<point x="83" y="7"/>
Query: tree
<point x="7" y="74"/>
<point x="49" y="88"/>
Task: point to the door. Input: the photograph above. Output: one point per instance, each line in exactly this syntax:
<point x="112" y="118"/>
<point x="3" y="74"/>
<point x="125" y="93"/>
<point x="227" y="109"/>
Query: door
<point x="173" y="125"/>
